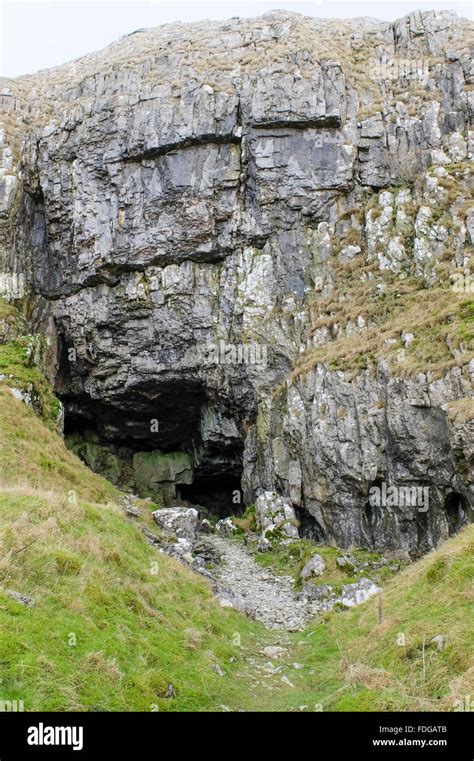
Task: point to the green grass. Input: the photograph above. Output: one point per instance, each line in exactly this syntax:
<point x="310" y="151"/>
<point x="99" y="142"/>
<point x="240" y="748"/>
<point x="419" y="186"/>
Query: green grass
<point x="32" y="453"/>
<point x="115" y="622"/>
<point x="18" y="366"/>
<point x="141" y="621"/>
<point x="290" y="559"/>
<point x="432" y="597"/>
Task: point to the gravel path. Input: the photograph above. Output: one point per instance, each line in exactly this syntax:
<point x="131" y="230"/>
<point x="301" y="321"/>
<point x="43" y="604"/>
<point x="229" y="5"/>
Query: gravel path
<point x="244" y="585"/>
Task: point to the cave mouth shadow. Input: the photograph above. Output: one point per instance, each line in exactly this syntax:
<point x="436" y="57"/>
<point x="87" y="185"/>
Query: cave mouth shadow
<point x="111" y="437"/>
<point x="456" y="509"/>
<point x="220" y="494"/>
<point x="309" y="528"/>
<point x="163" y="417"/>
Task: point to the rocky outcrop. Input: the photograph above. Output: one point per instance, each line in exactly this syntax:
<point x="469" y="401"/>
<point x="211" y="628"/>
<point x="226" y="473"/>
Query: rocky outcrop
<point x="350" y="435"/>
<point x="179" y="527"/>
<point x="360" y="591"/>
<point x="275" y="516"/>
<point x="178" y="521"/>
<point x="249" y="242"/>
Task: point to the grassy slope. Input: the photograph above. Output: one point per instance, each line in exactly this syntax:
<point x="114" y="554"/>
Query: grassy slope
<point x="92" y="574"/>
<point x="142" y="621"/>
<point x="18" y="369"/>
<point x="361" y="663"/>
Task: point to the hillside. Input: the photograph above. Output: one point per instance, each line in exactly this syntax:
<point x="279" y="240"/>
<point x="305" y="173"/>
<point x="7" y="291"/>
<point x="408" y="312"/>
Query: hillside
<point x="236" y="369"/>
<point x="142" y="621"/>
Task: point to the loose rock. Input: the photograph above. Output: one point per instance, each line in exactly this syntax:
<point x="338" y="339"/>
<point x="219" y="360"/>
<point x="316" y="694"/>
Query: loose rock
<point x="354" y="594"/>
<point x="314" y="567"/>
<point x="178" y="521"/>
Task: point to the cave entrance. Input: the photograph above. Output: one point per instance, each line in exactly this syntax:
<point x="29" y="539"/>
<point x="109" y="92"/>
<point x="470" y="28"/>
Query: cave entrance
<point x="150" y="416"/>
<point x="167" y="440"/>
<point x="220" y="494"/>
<point x="456" y="509"/>
<point x="309" y="528"/>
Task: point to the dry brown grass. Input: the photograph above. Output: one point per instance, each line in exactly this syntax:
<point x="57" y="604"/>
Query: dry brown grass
<point x="360" y="674"/>
<point x="461" y="410"/>
<point x="434" y="315"/>
<point x="49" y="467"/>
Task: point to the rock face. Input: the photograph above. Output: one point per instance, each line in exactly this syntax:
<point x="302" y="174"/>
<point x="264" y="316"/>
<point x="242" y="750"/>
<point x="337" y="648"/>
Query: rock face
<point x="238" y="240"/>
<point x="275" y="516"/>
<point x="161" y="472"/>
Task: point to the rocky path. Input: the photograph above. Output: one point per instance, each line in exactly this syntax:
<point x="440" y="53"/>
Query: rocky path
<point x="244" y="585"/>
<point x="238" y="580"/>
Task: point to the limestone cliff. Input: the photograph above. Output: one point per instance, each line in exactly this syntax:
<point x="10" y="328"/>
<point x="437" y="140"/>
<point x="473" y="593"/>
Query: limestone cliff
<point x="250" y="242"/>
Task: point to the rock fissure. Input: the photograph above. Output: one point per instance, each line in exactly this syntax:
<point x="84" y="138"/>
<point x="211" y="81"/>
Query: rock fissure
<point x="162" y="150"/>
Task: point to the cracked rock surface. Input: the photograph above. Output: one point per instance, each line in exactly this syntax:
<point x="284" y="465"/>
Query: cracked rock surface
<point x="277" y="184"/>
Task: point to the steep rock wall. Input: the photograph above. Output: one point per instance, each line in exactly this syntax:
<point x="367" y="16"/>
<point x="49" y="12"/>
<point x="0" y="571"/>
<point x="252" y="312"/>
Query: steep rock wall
<point x="289" y="186"/>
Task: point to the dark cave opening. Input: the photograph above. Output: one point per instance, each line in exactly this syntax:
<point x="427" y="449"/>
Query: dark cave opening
<point x="309" y="528"/>
<point x="147" y="418"/>
<point x="220" y="494"/>
<point x="155" y="441"/>
<point x="151" y="414"/>
<point x="457" y="511"/>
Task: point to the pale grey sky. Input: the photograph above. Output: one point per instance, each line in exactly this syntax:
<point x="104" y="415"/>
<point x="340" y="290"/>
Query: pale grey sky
<point x="35" y="34"/>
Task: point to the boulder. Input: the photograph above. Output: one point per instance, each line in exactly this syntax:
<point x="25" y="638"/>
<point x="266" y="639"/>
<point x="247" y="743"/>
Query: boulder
<point x="206" y="527"/>
<point x="347" y="562"/>
<point x="182" y="550"/>
<point x="314" y="567"/>
<point x="178" y="521"/>
<point x="226" y="527"/>
<point x="355" y="594"/>
<point x="274" y="514"/>
<point x="274" y="651"/>
<point x="317" y="593"/>
<point x="205" y="550"/>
